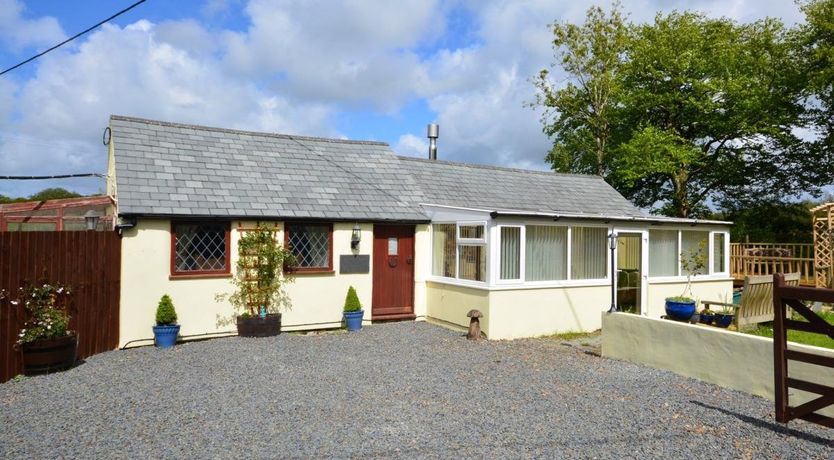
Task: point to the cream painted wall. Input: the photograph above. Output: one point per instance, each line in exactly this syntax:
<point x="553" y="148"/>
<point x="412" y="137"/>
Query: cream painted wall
<point x="422" y="269"/>
<point x="449" y="303"/>
<point x="720" y="290"/>
<point x="317" y="298"/>
<point x="739" y="361"/>
<point x="534" y="312"/>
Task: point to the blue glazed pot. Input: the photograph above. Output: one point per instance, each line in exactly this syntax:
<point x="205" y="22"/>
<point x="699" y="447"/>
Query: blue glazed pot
<point x="680" y="311"/>
<point x="707" y="319"/>
<point x="353" y="320"/>
<point x="166" y="336"/>
<point x="723" y="320"/>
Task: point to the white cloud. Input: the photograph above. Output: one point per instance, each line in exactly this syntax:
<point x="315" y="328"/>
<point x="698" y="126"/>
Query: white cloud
<point x="411" y="145"/>
<point x="17" y="33"/>
<point x="294" y="68"/>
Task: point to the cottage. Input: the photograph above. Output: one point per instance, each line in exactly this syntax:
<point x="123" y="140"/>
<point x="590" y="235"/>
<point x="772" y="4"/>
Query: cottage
<point x="418" y="239"/>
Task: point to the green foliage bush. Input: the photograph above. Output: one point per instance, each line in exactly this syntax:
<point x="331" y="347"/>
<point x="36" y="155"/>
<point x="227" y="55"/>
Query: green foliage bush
<point x="352" y="301"/>
<point x="165" y="313"/>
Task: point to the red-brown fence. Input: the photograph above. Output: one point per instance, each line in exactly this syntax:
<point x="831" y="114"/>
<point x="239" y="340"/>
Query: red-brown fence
<point x="88" y="262"/>
<point x="795" y="297"/>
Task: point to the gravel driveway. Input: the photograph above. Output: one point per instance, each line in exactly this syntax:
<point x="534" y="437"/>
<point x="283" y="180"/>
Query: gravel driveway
<point x="408" y="390"/>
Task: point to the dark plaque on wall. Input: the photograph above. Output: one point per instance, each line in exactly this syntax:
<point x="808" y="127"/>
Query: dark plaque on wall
<point x="355" y="263"/>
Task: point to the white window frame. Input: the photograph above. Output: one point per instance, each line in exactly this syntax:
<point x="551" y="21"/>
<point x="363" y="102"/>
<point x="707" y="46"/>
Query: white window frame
<point x="710" y="275"/>
<point x="521" y="248"/>
<point x="464" y="242"/>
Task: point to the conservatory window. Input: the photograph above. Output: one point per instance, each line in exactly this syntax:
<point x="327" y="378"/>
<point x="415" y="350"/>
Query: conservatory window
<point x="718" y="262"/>
<point x="471" y="252"/>
<point x="663" y="253"/>
<point x="444" y="245"/>
<point x="588" y="252"/>
<point x="694" y="243"/>
<point x="546" y="253"/>
<point x="510" y="253"/>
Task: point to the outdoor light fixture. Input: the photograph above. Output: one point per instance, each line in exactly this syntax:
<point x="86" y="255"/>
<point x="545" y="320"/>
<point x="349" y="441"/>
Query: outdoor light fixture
<point x="91" y="218"/>
<point x="355" y="237"/>
<point x="612" y="244"/>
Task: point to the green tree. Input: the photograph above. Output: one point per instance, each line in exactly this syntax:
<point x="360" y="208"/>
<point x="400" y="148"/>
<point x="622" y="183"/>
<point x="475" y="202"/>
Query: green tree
<point x="53" y="194"/>
<point x="580" y="116"/>
<point x="816" y="45"/>
<point x="710" y="106"/>
<point x="770" y="222"/>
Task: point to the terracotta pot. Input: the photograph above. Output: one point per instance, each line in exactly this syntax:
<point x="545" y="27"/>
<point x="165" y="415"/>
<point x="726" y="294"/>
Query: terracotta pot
<point x="255" y="326"/>
<point x="49" y="355"/>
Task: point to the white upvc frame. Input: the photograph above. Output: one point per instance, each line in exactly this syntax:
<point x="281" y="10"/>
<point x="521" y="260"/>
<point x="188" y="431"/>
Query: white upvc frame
<point x="568" y="281"/>
<point x="644" y="264"/>
<point x="710" y="275"/>
<point x="463" y="242"/>
<point x="497" y="262"/>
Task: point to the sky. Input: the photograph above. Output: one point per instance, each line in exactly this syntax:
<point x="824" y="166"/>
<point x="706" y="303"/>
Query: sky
<point x="354" y="69"/>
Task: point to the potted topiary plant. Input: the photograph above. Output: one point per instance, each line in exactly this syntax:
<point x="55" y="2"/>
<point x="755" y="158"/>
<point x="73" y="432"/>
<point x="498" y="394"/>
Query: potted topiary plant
<point x="45" y="341"/>
<point x="166" y="330"/>
<point x="353" y="311"/>
<point x="263" y="269"/>
<point x="682" y="307"/>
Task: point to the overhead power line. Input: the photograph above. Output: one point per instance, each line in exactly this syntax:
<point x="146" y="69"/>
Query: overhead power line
<point x="57" y="176"/>
<point x="73" y="37"/>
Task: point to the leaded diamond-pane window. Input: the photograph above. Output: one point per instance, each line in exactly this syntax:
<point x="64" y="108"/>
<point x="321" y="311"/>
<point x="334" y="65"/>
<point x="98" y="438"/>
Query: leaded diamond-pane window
<point x="311" y="245"/>
<point x="201" y="247"/>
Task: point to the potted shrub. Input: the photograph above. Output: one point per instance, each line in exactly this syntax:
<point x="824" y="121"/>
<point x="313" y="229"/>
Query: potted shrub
<point x="682" y="307"/>
<point x="44" y="341"/>
<point x="706" y="316"/>
<point x="353" y="311"/>
<point x="724" y="317"/>
<point x="166" y="330"/>
<point x="263" y="268"/>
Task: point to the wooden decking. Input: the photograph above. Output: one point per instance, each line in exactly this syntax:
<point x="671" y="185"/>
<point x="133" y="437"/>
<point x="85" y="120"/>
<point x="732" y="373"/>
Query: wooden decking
<point x="756" y="259"/>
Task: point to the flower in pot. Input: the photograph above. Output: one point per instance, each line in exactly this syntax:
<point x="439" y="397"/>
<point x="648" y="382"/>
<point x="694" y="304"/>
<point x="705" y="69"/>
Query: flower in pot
<point x="682" y="307"/>
<point x="166" y="330"/>
<point x="724" y="317"/>
<point x="353" y="311"/>
<point x="45" y="341"/>
<point x="706" y="316"/>
<point x="263" y="269"/>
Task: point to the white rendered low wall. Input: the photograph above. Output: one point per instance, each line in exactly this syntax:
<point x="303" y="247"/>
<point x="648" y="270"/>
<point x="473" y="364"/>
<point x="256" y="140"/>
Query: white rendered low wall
<point x="739" y="361"/>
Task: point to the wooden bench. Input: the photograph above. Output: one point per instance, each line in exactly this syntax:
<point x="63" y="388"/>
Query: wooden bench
<point x="756" y="305"/>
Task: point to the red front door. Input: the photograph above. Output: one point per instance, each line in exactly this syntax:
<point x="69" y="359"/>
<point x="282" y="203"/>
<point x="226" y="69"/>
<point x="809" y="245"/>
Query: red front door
<point x="393" y="288"/>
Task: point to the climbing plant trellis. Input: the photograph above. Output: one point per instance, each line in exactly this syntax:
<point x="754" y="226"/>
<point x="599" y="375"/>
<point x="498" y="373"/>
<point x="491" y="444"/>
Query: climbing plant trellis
<point x="823" y="223"/>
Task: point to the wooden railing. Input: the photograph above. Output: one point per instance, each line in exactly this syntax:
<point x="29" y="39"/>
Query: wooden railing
<point x="768" y="258"/>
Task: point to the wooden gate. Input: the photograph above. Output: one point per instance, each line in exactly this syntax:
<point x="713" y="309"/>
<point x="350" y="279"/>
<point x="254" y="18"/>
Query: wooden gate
<point x="789" y="296"/>
<point x="88" y="262"/>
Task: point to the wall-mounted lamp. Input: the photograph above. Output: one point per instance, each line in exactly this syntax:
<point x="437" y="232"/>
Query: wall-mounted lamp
<point x="355" y="237"/>
<point x="91" y="218"/>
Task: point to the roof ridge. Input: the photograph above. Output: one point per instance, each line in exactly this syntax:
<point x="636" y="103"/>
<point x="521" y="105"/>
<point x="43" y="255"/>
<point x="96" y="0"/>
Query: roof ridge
<point x="497" y="168"/>
<point x="240" y="131"/>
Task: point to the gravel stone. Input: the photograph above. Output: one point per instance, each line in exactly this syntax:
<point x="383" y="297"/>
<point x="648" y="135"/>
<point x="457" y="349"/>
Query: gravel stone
<point x="407" y="390"/>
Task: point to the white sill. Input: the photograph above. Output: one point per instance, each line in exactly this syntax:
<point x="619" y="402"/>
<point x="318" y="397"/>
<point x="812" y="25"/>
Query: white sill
<point x="695" y="279"/>
<point x="458" y="282"/>
<point x="510" y="286"/>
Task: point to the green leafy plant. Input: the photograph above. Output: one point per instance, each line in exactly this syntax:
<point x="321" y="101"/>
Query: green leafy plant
<point x="693" y="261"/>
<point x="352" y="301"/>
<point x="46" y="308"/>
<point x="166" y="315"/>
<point x="263" y="269"/>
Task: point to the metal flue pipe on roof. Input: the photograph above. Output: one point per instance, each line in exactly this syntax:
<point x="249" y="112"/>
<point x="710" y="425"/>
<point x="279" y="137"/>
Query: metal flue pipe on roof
<point x="433" y="132"/>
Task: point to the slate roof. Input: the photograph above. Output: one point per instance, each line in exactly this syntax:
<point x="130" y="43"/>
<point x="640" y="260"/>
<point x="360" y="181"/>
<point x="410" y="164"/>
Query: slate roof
<point x="168" y="169"/>
<point x="505" y="189"/>
<point x="165" y="169"/>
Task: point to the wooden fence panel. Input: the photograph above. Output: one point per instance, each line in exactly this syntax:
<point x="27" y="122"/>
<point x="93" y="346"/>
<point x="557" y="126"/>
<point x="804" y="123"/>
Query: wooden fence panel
<point x="88" y="262"/>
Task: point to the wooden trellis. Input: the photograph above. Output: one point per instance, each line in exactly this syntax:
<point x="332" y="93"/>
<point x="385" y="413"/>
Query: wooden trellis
<point x="823" y="224"/>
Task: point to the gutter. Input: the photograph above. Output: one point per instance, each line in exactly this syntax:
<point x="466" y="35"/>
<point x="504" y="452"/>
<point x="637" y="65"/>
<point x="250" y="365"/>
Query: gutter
<point x="655" y="220"/>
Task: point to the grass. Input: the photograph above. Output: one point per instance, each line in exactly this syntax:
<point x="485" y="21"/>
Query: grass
<point x="571" y="336"/>
<point x="807" y="338"/>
